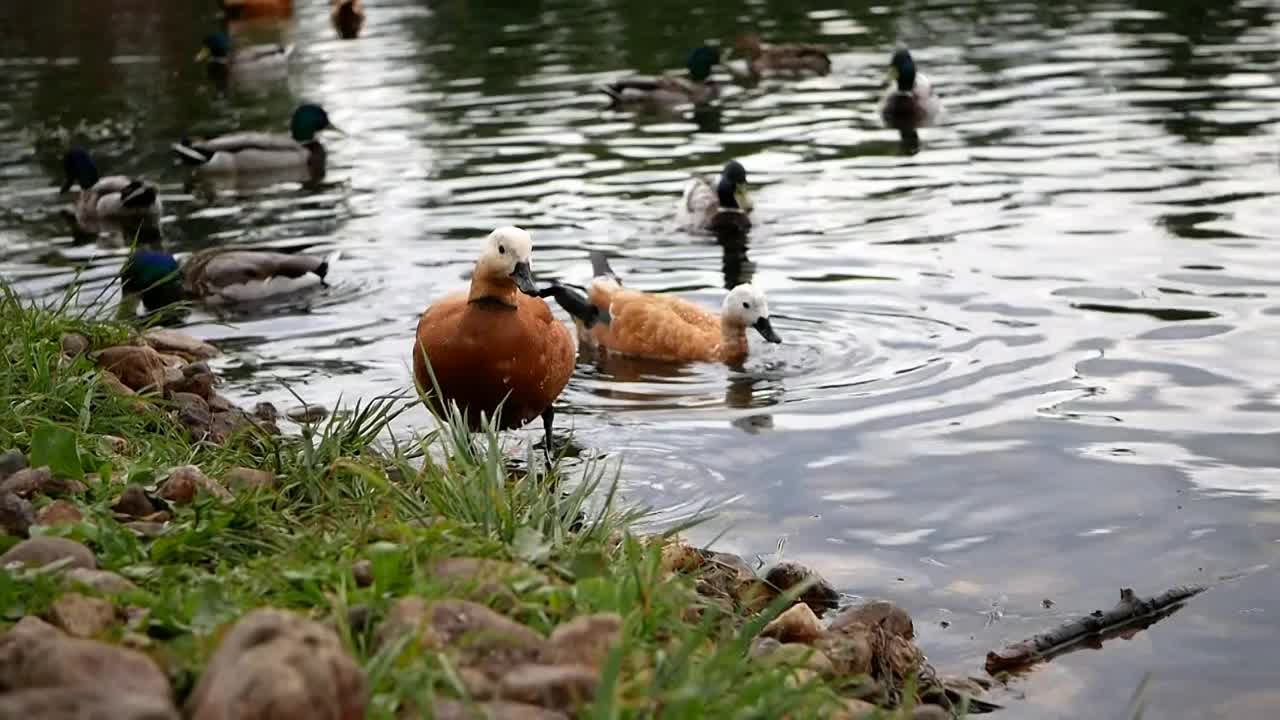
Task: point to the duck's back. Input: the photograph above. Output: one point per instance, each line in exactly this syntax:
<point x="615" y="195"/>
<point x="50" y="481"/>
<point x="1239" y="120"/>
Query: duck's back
<point x="484" y="350"/>
<point x="659" y="326"/>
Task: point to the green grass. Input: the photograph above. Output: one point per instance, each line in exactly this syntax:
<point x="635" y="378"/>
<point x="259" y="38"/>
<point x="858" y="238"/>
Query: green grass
<point x="351" y="490"/>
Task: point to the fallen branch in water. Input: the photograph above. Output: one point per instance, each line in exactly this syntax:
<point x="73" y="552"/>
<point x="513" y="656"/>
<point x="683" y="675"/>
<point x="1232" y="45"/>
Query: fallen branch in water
<point x="1130" y="614"/>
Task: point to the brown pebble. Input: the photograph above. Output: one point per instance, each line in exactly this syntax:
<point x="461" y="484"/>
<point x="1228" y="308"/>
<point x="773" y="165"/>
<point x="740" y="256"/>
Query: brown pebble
<point x="243" y="478"/>
<point x="362" y="572"/>
<point x="16" y="515"/>
<point x="113" y="383"/>
<point x="138" y="367"/>
<point x="103" y="581"/>
<point x="11" y="461"/>
<point x="266" y="411"/>
<point x="74" y="344"/>
<point x="133" y="502"/>
<point x="558" y="687"/>
<point x="43" y="549"/>
<point x="820" y="595"/>
<point x="61" y="703"/>
<point x="34" y="654"/>
<point x="218" y="403"/>
<point x="27" y="482"/>
<point x="176" y="342"/>
<point x="82" y="616"/>
<point x="586" y="640"/>
<point x="59" y="512"/>
<point x="797" y="624"/>
<point x="878" y="613"/>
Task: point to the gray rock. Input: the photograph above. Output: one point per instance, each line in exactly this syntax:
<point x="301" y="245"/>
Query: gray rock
<point x="820" y="596"/>
<point x="59" y="512"/>
<point x="74" y="344"/>
<point x="27" y="482"/>
<point x="103" y="581"/>
<point x="930" y="712"/>
<point x="586" y="640"/>
<point x="62" y="703"/>
<point x="16" y="515"/>
<point x="308" y="413"/>
<point x="559" y="687"/>
<point x="878" y="613"/>
<point x="11" y="461"/>
<point x="35" y="655"/>
<point x="266" y="411"/>
<point x="82" y="616"/>
<point x="442" y="709"/>
<point x="42" y="550"/>
<point x="186" y="400"/>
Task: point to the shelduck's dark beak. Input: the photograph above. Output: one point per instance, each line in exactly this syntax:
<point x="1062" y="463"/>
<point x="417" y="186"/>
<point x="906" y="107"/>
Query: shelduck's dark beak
<point x="523" y="277"/>
<point x="765" y="328"/>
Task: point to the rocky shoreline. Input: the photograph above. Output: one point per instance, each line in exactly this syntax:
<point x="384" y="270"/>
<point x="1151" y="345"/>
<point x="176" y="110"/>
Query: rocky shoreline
<point x="134" y="589"/>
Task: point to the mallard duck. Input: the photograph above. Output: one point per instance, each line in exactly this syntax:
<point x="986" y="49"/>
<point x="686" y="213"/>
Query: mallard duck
<point x="218" y="51"/>
<point x="662" y="327"/>
<point x="497" y="343"/>
<point x="113" y="199"/>
<point x="347" y="17"/>
<point x="797" y="58"/>
<point x="249" y="152"/>
<point x="718" y="204"/>
<point x="908" y="102"/>
<point x="668" y="90"/>
<point x="218" y="276"/>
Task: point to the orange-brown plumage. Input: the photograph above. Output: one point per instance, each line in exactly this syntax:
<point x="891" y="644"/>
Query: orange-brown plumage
<point x="495" y="342"/>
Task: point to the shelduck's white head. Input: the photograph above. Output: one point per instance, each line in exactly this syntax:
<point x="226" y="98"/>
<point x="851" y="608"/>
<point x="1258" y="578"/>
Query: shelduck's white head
<point x="508" y="254"/>
<point x="746" y="306"/>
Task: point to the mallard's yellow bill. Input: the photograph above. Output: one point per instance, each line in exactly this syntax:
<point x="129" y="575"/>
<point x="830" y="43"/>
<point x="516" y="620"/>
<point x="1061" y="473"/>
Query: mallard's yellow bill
<point x="744" y="199"/>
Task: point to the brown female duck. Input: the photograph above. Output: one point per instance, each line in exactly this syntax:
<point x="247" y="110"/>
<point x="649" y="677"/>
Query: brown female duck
<point x="793" y="59"/>
<point x="497" y="343"/>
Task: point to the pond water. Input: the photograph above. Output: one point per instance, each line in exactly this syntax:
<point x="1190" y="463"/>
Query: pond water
<point x="1034" y="361"/>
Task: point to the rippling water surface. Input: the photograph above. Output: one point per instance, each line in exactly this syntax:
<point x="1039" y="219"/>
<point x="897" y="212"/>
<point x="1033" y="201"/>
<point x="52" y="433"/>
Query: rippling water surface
<point x="1035" y="361"/>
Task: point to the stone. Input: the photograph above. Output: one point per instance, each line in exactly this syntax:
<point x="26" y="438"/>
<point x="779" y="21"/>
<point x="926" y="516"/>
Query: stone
<point x="59" y="512"/>
<point x="172" y="376"/>
<point x="728" y="578"/>
<point x="477" y="684"/>
<point x="849" y="652"/>
<point x="855" y="709"/>
<point x="134" y="502"/>
<point x="16" y="515"/>
<point x="117" y="445"/>
<point x="479" y="636"/>
<point x="558" y="687"/>
<point x="199" y="384"/>
<point x="42" y="550"/>
<point x="103" y="581"/>
<point x="820" y="596"/>
<point x="878" y="613"/>
<point x="27" y="482"/>
<point x="186" y="400"/>
<point x="443" y="709"/>
<point x="793" y="655"/>
<point x="266" y="411"/>
<point x="310" y="675"/>
<point x="218" y="403"/>
<point x="84" y="704"/>
<point x="797" y="624"/>
<point x="930" y="712"/>
<point x="138" y="367"/>
<point x="243" y="478"/>
<point x="226" y="424"/>
<point x="11" y="461"/>
<point x="113" y="383"/>
<point x="197" y="420"/>
<point x="184" y="483"/>
<point x="146" y="529"/>
<point x="74" y="344"/>
<point x="307" y="414"/>
<point x="485" y="580"/>
<point x="586" y="640"/>
<point x="359" y="617"/>
<point x="82" y="616"/>
<point x="175" y="342"/>
<point x="362" y="572"/>
<point x="33" y="654"/>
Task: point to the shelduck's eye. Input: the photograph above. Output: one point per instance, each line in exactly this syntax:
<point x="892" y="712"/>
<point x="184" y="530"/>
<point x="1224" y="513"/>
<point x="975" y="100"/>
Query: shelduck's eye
<point x="502" y="250"/>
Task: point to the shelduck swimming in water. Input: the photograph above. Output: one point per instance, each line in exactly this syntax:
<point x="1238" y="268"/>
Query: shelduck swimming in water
<point x="662" y="327"/>
<point x="497" y="343"/>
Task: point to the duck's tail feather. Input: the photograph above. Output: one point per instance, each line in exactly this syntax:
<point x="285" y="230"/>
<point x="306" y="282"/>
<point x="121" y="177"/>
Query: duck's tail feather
<point x="576" y="304"/>
<point x="188" y="154"/>
<point x="322" y="270"/>
<point x="600" y="267"/>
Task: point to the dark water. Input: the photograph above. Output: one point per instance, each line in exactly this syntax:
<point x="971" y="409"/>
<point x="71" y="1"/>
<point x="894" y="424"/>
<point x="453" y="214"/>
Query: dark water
<point x="1034" y="361"/>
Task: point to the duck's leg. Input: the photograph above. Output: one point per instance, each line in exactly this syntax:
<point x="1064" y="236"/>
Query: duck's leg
<point x="548" y="419"/>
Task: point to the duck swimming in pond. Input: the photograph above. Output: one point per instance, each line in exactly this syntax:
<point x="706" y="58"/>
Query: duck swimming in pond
<point x="497" y="343"/>
<point x="250" y="152"/>
<point x="718" y="203"/>
<point x="218" y="276"/>
<point x="666" y="91"/>
<point x="347" y="17"/>
<point x="785" y="59"/>
<point x="662" y="327"/>
<point x="909" y="102"/>
<point x="248" y="65"/>
<point x="115" y="199"/>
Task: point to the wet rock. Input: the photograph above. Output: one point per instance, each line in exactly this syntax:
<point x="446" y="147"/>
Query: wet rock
<point x="442" y="709"/>
<point x="146" y="529"/>
<point x="59" y="512"/>
<point x="266" y="411"/>
<point x="798" y="624"/>
<point x="103" y="581"/>
<point x="197" y="420"/>
<point x="28" y="482"/>
<point x="113" y="383"/>
<point x="218" y="403"/>
<point x="42" y="550"/>
<point x="850" y="653"/>
<point x="11" y="461"/>
<point x="793" y="655"/>
<point x="362" y="572"/>
<point x="879" y="613"/>
<point x="186" y="400"/>
<point x="84" y="704"/>
<point x="199" y="384"/>
<point x="307" y="414"/>
<point x="184" y="483"/>
<point x="174" y="342"/>
<point x="74" y="344"/>
<point x="226" y="424"/>
<point x="35" y="655"/>
<point x="820" y="596"/>
<point x="82" y="616"/>
<point x="310" y="674"/>
<point x="930" y="712"/>
<point x="479" y="636"/>
<point x="243" y="478"/>
<point x="16" y="515"/>
<point x="172" y="376"/>
<point x="133" y="502"/>
<point x="138" y="367"/>
<point x="586" y="640"/>
<point x="558" y="687"/>
<point x="728" y="579"/>
<point x="117" y="445"/>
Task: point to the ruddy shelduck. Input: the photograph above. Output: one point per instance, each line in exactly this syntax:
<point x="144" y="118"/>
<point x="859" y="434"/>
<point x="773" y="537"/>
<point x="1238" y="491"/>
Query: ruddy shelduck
<point x="498" y="343"/>
<point x="663" y="327"/>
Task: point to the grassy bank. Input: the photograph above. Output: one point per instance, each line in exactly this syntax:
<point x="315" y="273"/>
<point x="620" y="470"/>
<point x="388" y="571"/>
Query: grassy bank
<point x="349" y="525"/>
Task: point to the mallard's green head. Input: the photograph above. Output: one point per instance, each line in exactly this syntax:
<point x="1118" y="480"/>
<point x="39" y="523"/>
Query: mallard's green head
<point x="216" y="45"/>
<point x="307" y="121"/>
<point x="78" y="168"/>
<point x="701" y="61"/>
<point x="903" y="69"/>
<point x="155" y="276"/>
<point x="732" y="188"/>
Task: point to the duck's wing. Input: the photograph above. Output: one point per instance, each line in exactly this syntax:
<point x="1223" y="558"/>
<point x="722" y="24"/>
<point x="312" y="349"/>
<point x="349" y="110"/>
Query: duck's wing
<point x="930" y="108"/>
<point x="699" y="199"/>
<point x="797" y="57"/>
<point x="212" y="270"/>
<point x="663" y="327"/>
<point x="662" y="89"/>
<point x="236" y="142"/>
